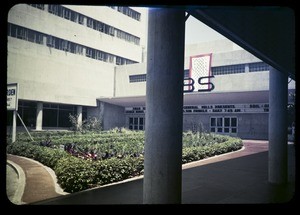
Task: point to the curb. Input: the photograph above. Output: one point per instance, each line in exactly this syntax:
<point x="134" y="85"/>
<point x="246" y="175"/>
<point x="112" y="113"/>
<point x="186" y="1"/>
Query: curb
<point x="17" y="198"/>
<point x="58" y="189"/>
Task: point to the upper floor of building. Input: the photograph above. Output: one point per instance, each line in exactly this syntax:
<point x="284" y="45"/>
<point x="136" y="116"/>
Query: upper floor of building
<point x="97" y="32"/>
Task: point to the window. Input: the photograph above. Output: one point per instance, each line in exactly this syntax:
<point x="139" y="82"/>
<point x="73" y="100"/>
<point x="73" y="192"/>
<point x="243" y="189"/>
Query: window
<point x="27" y="111"/>
<point x="65" y="45"/>
<point x="136" y="123"/>
<point x="74" y="16"/>
<point x="50" y="41"/>
<point x="225" y="125"/>
<point x="80" y="19"/>
<point x="258" y="67"/>
<point x="22" y="33"/>
<point x="90" y="23"/>
<point x="100" y="27"/>
<point x="39" y="6"/>
<point x="128" y="37"/>
<point x="232" y="69"/>
<point x="129" y="12"/>
<point x="53" y="9"/>
<point x="110" y="58"/>
<point x="110" y="30"/>
<point x="61" y="44"/>
<point x="137" y="78"/>
<point x="57" y="115"/>
<point x="90" y="52"/>
<point x="66" y="13"/>
<point x="119" y="61"/>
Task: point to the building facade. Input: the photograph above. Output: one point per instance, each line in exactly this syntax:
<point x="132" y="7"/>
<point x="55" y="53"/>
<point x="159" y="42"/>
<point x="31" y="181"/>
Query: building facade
<point x="63" y="56"/>
<point x="75" y="59"/>
<point x="237" y="106"/>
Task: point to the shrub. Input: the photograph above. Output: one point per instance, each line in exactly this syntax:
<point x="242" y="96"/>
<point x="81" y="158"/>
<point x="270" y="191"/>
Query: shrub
<point x="196" y="153"/>
<point x="45" y="155"/>
<point x="90" y="124"/>
<point x="74" y="174"/>
<point x="125" y="150"/>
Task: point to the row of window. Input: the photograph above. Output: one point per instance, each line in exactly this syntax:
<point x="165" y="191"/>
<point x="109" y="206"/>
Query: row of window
<point x="128" y="11"/>
<point x="227" y="125"/>
<point x="257" y="67"/>
<point x="239" y="68"/>
<point x="76" y="17"/>
<point x="54" y="115"/>
<point x="220" y="70"/>
<point x="61" y="44"/>
<point x="142" y="77"/>
<point x="136" y="123"/>
<point x="137" y="78"/>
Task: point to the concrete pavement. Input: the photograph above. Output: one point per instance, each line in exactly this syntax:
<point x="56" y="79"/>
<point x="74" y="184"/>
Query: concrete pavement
<point x="29" y="181"/>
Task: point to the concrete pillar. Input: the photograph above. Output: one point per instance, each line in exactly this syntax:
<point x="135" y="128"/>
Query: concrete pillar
<point x="278" y="95"/>
<point x="39" y="116"/>
<point x="79" y="114"/>
<point x="164" y="102"/>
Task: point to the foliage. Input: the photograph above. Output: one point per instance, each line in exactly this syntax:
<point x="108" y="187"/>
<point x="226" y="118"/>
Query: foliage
<point x="45" y="155"/>
<point x="90" y="124"/>
<point x="119" y="153"/>
<point x="195" y="153"/>
<point x="77" y="174"/>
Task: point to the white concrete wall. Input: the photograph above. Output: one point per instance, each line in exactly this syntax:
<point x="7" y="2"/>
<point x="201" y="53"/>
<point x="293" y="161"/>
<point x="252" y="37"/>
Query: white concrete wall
<point x="51" y="75"/>
<point x="45" y="22"/>
<point x="121" y="21"/>
<point x="123" y="87"/>
<point x="233" y="57"/>
<point x="224" y="53"/>
<point x="252" y="81"/>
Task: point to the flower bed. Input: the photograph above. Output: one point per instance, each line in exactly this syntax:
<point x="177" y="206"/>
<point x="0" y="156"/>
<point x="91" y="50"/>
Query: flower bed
<point x="117" y="154"/>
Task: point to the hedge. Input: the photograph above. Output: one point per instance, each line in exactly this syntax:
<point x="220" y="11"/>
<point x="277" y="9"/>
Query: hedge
<point x="75" y="174"/>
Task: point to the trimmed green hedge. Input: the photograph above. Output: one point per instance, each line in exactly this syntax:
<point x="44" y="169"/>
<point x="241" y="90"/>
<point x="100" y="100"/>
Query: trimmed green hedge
<point x="197" y="153"/>
<point x="47" y="156"/>
<point x="75" y="174"/>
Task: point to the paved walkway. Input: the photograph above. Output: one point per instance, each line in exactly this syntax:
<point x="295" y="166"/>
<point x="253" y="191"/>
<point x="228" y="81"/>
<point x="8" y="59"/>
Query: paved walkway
<point x="33" y="182"/>
<point x="236" y="177"/>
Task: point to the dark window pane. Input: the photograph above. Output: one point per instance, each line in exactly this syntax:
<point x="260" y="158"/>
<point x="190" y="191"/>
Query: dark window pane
<point x="227" y="122"/>
<point x="135" y="121"/>
<point x="130" y="120"/>
<point x="233" y="122"/>
<point x="29" y="116"/>
<point x="212" y="130"/>
<point x="63" y="120"/>
<point x="226" y="130"/>
<point x="141" y="121"/>
<point x="220" y="130"/>
<point x="233" y="130"/>
<point x="213" y="121"/>
<point x="49" y="118"/>
<point x="219" y="121"/>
